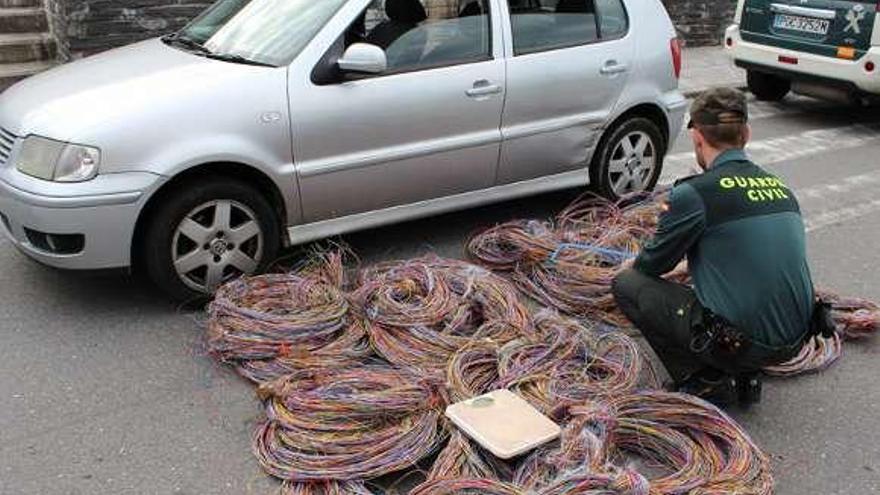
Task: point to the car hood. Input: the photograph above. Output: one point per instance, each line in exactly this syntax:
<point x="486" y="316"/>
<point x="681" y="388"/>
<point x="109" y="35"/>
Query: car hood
<point x="76" y="102"/>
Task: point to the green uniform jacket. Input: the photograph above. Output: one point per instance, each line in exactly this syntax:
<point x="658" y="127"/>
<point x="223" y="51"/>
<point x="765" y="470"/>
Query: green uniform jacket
<point x="742" y="232"/>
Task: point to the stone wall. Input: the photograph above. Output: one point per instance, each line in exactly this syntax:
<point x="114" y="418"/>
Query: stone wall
<point x="701" y="22"/>
<point x="56" y="11"/>
<point x="96" y="25"/>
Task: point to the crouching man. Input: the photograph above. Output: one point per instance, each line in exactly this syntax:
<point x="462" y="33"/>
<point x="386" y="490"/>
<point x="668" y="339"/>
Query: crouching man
<point x="740" y="229"/>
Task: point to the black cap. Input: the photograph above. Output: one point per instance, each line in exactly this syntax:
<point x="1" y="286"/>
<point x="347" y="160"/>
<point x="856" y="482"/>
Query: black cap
<point x="719" y="106"/>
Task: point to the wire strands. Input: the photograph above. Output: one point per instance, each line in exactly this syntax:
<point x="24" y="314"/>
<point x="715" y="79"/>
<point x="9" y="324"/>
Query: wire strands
<point x="704" y="448"/>
<point x="575" y="281"/>
<point x="420" y="312"/>
<point x="855" y="318"/>
<point x="354" y="379"/>
<point x="337" y="415"/>
<point x="326" y="487"/>
<point x="461" y="459"/>
<point x="350" y="348"/>
<point x="269" y="315"/>
<point x="465" y="486"/>
<point x="568" y="363"/>
<point x="347" y="424"/>
<point x="543" y="260"/>
<point x="818" y="354"/>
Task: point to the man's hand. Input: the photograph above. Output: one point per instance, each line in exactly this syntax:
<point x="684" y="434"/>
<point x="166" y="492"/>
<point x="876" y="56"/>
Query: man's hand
<point x="680" y="269"/>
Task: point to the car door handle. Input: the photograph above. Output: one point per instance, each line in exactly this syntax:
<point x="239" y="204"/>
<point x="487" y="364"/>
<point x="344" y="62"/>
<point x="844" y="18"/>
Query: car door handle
<point x="612" y="67"/>
<point x="483" y="88"/>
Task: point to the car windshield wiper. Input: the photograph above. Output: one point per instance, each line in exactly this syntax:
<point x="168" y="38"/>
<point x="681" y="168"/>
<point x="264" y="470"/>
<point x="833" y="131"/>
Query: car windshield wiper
<point x="238" y="59"/>
<point x="200" y="49"/>
<point x="185" y="41"/>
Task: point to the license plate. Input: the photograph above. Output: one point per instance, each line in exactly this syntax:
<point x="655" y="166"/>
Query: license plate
<point x="802" y="24"/>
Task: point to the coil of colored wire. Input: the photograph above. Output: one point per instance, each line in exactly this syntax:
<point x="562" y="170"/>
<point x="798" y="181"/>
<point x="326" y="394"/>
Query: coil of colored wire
<point x="571" y="362"/>
<point x="421" y="312"/>
<point x="703" y="447"/>
<point x="326" y="487"/>
<point x="472" y="370"/>
<point x="816" y="355"/>
<point x="461" y="459"/>
<point x="466" y="486"/>
<point x="582" y="448"/>
<point x="347" y="424"/>
<point x="575" y="281"/>
<point x="350" y="348"/>
<point x="855" y="318"/>
<point x="266" y="316"/>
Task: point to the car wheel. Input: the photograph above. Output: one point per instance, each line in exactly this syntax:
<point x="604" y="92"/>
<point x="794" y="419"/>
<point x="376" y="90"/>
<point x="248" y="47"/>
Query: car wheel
<point x="767" y="87"/>
<point x="629" y="159"/>
<point x="207" y="233"/>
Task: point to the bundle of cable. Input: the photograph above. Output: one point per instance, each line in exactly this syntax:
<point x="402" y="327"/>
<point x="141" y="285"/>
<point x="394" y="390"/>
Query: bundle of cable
<point x="570" y="264"/>
<point x="420" y="312"/>
<point x="268" y="315"/>
<point x="816" y="355"/>
<point x="348" y="424"/>
<point x="704" y="450"/>
<point x="568" y="362"/>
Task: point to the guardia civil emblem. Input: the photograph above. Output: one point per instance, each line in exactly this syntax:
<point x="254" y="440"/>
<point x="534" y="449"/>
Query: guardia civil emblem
<point x="855" y="15"/>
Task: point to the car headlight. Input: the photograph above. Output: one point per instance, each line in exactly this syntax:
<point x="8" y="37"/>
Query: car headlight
<point x="48" y="159"/>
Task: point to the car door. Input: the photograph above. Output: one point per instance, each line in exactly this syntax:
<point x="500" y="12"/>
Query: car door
<point x="427" y="127"/>
<point x="568" y="62"/>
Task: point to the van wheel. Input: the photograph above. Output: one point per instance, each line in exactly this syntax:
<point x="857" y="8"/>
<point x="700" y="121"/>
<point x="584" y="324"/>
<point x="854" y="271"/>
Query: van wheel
<point x="629" y="159"/>
<point x="767" y="87"/>
<point x="206" y="233"/>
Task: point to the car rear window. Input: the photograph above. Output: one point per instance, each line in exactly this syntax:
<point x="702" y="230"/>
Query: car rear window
<point x="613" y="22"/>
<point x="540" y="25"/>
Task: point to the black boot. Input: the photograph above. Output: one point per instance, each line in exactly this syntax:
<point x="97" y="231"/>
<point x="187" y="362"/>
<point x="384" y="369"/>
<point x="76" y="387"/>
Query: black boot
<point x="713" y="386"/>
<point x="748" y="388"/>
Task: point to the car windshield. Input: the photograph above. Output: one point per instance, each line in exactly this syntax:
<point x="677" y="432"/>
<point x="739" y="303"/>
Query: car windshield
<point x="269" y="32"/>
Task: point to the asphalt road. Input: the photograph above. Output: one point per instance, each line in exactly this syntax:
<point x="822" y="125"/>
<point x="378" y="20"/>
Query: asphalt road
<point x="105" y="387"/>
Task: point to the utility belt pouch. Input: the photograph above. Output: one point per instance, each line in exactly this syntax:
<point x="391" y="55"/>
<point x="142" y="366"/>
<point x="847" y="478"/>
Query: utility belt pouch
<point x="716" y="335"/>
<point x="822" y="323"/>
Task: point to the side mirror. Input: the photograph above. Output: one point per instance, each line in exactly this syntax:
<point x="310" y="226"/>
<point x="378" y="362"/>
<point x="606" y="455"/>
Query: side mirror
<point x="363" y="57"/>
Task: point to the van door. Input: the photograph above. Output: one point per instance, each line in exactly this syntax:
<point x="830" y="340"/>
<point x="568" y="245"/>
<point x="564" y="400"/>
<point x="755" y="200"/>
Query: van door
<point x="834" y="28"/>
<point x="568" y="64"/>
<point x="428" y="127"/>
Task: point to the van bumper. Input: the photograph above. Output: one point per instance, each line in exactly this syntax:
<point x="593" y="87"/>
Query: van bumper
<point x="813" y="68"/>
<point x="80" y="226"/>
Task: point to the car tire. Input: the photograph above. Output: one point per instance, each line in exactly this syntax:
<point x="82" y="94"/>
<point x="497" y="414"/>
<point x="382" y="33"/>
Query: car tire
<point x="206" y="232"/>
<point x="618" y="159"/>
<point x="767" y="87"/>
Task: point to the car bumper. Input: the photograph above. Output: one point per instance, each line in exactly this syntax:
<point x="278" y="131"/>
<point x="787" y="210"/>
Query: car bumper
<point x="80" y="226"/>
<point x="809" y="66"/>
<point x="676" y="105"/>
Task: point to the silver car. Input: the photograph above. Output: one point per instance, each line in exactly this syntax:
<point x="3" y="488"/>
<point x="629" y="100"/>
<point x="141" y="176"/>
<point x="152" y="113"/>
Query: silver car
<point x="264" y="123"/>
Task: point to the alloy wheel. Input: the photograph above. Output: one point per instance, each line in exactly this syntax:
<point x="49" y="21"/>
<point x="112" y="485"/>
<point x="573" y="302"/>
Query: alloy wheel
<point x="216" y="242"/>
<point x="632" y="163"/>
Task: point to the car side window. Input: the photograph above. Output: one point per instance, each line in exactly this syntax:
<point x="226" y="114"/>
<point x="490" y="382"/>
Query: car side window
<point x="613" y="22"/>
<point x="421" y="34"/>
<point x="540" y="25"/>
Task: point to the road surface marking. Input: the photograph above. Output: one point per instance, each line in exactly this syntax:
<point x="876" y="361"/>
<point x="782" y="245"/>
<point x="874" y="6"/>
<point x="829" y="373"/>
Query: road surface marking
<point x="836" y="216"/>
<point x="845" y="186"/>
<point x="785" y="148"/>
